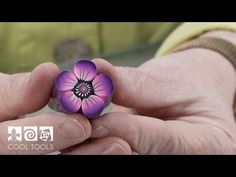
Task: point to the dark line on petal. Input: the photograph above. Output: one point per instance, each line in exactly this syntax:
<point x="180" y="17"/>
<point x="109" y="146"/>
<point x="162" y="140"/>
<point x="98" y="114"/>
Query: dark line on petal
<point x="87" y="103"/>
<point x="73" y="99"/>
<point x="99" y="90"/>
<point x="76" y="101"/>
<point x="80" y="74"/>
<point x="68" y="82"/>
<point x="72" y="79"/>
<point x="83" y="75"/>
<point x="97" y="86"/>
<point x="91" y="101"/>
<point x="71" y="85"/>
<point x="69" y="79"/>
<point x="70" y="96"/>
<point x="86" y="75"/>
<point x="96" y="83"/>
<point x="94" y="99"/>
<point x="72" y="103"/>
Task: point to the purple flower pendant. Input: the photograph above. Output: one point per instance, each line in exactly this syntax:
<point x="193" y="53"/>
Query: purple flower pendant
<point x="82" y="91"/>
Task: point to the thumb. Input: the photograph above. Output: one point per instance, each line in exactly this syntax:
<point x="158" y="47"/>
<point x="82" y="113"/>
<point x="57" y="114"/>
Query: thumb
<point x="133" y="86"/>
<point x="26" y="92"/>
<point x="145" y="135"/>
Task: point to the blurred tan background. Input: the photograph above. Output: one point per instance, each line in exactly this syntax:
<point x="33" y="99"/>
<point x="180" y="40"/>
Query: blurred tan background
<point x="25" y="45"/>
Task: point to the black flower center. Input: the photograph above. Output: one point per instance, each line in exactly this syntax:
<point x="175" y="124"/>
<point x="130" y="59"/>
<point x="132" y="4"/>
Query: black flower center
<point x="83" y="89"/>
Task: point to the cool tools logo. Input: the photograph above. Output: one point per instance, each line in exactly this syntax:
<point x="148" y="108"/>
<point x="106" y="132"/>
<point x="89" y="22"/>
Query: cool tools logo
<point x="30" y="137"/>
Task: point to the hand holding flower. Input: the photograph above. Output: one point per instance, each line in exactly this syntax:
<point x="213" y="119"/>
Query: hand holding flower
<point x="82" y="91"/>
<point x="178" y="104"/>
<point x="25" y="93"/>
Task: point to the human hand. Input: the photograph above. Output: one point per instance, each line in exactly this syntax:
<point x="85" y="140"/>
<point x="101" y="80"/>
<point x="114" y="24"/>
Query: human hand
<point x="178" y="104"/>
<point x="25" y="93"/>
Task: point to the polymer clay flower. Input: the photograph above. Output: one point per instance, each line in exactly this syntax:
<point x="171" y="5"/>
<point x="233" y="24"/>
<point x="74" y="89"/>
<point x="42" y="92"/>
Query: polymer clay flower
<point x="83" y="90"/>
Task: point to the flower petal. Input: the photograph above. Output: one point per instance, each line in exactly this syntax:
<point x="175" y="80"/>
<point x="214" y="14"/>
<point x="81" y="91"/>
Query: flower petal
<point x="70" y="102"/>
<point x="92" y="106"/>
<point x="85" y="70"/>
<point x="103" y="85"/>
<point x="106" y="99"/>
<point x="66" y="81"/>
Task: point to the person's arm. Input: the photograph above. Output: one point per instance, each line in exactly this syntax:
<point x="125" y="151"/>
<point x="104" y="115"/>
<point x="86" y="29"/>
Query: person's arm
<point x="188" y="31"/>
<point x="227" y="35"/>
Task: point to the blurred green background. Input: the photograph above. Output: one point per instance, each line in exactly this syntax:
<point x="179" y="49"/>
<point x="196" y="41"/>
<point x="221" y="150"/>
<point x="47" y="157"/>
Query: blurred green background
<point x="25" y="45"/>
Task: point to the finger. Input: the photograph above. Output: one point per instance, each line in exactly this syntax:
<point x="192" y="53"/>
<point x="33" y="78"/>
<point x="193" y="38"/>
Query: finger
<point x="144" y="134"/>
<point x="147" y="135"/>
<point x="118" y="108"/>
<point x="131" y="85"/>
<point x="68" y="130"/>
<point x="26" y="93"/>
<point x="104" y="146"/>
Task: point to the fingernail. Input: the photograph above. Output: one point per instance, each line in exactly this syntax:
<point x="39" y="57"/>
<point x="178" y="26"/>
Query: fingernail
<point x="72" y="129"/>
<point x="100" y="132"/>
<point x="114" y="149"/>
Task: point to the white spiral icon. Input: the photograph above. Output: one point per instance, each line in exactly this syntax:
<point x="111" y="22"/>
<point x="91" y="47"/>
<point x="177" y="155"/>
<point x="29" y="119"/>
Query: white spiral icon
<point x="30" y="133"/>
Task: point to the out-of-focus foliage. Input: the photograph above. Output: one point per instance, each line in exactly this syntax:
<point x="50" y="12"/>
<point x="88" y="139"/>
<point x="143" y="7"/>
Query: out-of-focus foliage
<point x="25" y="45"/>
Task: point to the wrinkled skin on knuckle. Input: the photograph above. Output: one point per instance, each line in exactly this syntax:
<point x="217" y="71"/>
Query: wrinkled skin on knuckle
<point x="157" y="141"/>
<point x="133" y="87"/>
<point x="225" y="139"/>
<point x="205" y="140"/>
<point x="165" y="144"/>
